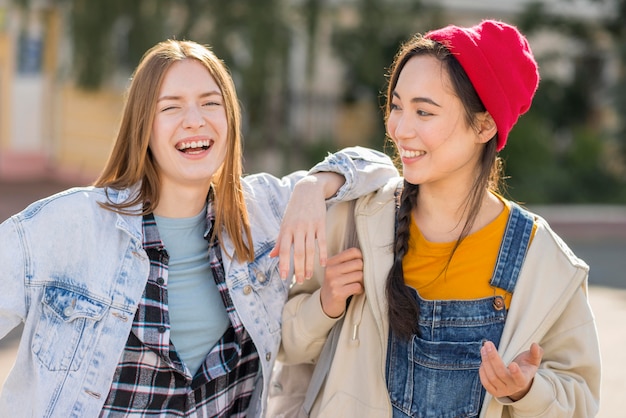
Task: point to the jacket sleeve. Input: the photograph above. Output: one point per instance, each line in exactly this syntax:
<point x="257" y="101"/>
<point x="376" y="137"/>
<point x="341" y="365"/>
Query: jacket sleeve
<point x="12" y="302"/>
<point x="304" y="330"/>
<point x="365" y="170"/>
<point x="550" y="307"/>
<point x="567" y="383"/>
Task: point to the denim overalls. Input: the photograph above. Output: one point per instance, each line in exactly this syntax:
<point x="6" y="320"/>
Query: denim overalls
<point x="436" y="374"/>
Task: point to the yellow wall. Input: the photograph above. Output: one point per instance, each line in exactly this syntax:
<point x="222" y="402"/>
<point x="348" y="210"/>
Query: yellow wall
<point x="6" y="75"/>
<point x="88" y="125"/>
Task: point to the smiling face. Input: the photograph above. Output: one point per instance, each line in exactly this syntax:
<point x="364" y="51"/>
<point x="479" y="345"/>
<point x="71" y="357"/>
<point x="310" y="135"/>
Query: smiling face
<point x="189" y="133"/>
<point x="428" y="124"/>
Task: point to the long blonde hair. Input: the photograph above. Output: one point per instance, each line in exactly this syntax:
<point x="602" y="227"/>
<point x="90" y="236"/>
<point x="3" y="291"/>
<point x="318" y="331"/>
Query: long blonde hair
<point x="131" y="161"/>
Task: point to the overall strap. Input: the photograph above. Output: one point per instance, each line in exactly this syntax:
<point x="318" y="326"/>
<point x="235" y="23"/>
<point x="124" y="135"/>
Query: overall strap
<point x="513" y="248"/>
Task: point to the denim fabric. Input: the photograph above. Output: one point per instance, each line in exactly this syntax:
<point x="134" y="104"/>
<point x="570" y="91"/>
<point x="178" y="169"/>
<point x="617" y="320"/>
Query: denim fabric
<point x="435" y="374"/>
<point x="73" y="274"/>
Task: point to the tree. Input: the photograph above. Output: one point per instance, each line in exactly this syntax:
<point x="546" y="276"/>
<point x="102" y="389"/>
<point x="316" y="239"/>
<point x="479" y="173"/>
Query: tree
<point x="567" y="117"/>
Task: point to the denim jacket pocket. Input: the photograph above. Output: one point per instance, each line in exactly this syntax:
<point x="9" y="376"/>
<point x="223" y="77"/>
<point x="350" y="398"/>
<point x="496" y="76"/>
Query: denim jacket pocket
<point x="66" y="327"/>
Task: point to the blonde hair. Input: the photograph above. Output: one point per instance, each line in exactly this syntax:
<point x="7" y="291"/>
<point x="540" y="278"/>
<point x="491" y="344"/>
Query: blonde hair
<point x="131" y="161"/>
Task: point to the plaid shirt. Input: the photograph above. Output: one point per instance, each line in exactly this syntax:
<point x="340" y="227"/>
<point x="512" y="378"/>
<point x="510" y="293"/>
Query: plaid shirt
<point x="151" y="380"/>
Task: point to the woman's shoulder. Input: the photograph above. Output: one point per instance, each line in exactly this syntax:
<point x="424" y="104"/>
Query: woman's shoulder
<point x="73" y="200"/>
<point x="67" y="197"/>
<point x="385" y="194"/>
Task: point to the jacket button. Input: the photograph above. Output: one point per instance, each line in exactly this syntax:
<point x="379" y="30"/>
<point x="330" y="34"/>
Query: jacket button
<point x="247" y="289"/>
<point x="260" y="277"/>
<point x="68" y="311"/>
<point x="268" y="356"/>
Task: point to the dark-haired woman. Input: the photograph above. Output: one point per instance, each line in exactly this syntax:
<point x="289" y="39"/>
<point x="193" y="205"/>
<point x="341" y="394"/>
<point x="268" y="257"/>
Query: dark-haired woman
<point x="460" y="302"/>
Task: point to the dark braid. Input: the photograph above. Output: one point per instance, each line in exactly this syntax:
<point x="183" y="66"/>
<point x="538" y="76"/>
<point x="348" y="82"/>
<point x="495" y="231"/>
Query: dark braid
<point x="403" y="308"/>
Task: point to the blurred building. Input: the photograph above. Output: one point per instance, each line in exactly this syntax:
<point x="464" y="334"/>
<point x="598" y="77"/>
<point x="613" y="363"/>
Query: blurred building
<point x="48" y="127"/>
<point x="24" y="72"/>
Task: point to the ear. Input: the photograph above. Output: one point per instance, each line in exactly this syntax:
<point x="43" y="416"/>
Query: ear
<point x="486" y="127"/>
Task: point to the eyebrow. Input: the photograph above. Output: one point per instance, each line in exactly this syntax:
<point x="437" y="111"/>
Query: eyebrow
<point x="420" y="100"/>
<point x="202" y="96"/>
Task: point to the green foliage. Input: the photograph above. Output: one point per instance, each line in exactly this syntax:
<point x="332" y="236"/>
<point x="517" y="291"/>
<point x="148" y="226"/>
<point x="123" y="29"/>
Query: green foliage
<point x="543" y="167"/>
<point x="557" y="153"/>
<point x="368" y="48"/>
<point x="93" y="24"/>
<point x="253" y="39"/>
<point x="528" y="160"/>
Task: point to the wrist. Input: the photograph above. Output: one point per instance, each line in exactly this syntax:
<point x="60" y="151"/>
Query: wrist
<point x="519" y="395"/>
<point x="330" y="312"/>
<point x="329" y="182"/>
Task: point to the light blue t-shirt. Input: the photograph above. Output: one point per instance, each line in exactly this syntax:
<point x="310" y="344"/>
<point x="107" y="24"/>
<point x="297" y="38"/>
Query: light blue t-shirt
<point x="198" y="317"/>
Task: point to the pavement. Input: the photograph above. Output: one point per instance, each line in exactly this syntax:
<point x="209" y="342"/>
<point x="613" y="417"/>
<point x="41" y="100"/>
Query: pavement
<point x="597" y="234"/>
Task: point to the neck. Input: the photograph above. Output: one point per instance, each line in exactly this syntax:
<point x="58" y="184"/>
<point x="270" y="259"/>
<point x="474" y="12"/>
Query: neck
<point x="181" y="202"/>
<point x="442" y="217"/>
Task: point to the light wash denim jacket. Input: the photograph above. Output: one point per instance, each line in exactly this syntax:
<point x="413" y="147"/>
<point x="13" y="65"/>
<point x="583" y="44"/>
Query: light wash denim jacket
<point x="73" y="274"/>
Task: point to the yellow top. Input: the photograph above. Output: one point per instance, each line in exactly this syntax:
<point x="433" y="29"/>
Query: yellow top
<point x="470" y="270"/>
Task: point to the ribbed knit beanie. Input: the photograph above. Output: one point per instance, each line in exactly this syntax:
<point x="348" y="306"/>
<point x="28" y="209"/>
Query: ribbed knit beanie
<point x="500" y="65"/>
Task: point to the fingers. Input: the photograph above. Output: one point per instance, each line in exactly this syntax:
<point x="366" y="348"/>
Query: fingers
<point x="303" y="240"/>
<point x="513" y="380"/>
<point x="333" y="298"/>
<point x="282" y="249"/>
<point x="299" y="256"/>
<point x="536" y="354"/>
<point x="302" y="231"/>
<point x="492" y="371"/>
<point x="344" y="256"/>
<point x="343" y="278"/>
<point x="321" y="246"/>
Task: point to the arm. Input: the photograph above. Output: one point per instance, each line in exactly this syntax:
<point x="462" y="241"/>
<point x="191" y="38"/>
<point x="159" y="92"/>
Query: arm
<point x="303" y="223"/>
<point x="361" y="171"/>
<point x="12" y="303"/>
<point x="567" y="379"/>
<point x="308" y="318"/>
<point x="306" y="321"/>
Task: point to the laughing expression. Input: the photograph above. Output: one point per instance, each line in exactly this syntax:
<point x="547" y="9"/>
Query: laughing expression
<point x="190" y="130"/>
<point x="427" y="123"/>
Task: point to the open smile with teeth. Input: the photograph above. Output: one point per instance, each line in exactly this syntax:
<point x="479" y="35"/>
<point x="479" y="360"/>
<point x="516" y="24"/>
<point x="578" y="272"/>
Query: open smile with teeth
<point x="194" y="146"/>
<point x="410" y="153"/>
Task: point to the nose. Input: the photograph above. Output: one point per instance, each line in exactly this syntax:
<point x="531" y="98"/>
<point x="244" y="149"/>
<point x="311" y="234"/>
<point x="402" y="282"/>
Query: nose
<point x="401" y="127"/>
<point x="193" y="118"/>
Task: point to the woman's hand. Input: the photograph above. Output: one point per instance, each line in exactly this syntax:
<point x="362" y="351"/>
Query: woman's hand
<point x="513" y="381"/>
<point x="304" y="225"/>
<point x="342" y="279"/>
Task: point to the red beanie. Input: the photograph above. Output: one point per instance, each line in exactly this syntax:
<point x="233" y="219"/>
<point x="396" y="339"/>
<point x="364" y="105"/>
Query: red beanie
<point x="500" y="65"/>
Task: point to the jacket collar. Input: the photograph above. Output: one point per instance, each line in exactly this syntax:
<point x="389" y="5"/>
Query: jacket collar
<point x="131" y="224"/>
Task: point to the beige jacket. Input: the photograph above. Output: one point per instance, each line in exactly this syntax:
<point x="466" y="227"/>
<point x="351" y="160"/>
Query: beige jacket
<point x="549" y="307"/>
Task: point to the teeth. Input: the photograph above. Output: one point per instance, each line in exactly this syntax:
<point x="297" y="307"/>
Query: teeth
<point x="410" y="153"/>
<point x="193" y="144"/>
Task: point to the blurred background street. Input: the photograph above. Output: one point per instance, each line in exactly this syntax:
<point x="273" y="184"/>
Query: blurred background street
<point x="309" y="76"/>
<point x="597" y="234"/>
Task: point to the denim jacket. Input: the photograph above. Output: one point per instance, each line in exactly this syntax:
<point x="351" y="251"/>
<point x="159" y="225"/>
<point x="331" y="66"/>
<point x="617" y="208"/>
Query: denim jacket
<point x="73" y="273"/>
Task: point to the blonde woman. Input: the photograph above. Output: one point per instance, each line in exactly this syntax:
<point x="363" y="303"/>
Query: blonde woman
<point x="152" y="293"/>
